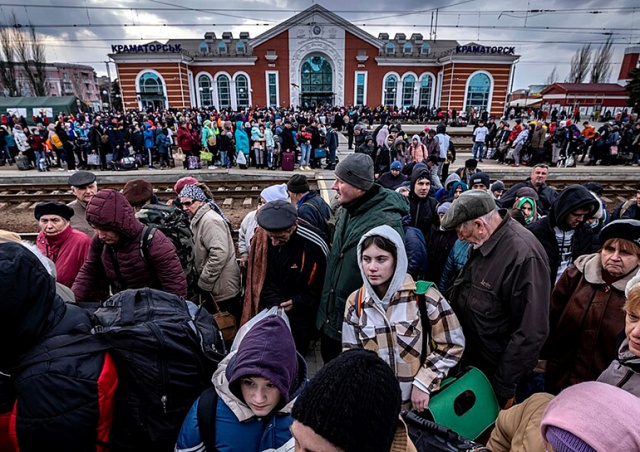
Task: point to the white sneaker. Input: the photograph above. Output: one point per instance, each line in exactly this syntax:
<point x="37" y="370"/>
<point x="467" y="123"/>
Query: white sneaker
<point x="213" y="167"/>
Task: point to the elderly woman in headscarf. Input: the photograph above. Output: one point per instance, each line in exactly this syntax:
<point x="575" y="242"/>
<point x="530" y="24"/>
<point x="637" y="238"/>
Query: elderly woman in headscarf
<point x="215" y="262"/>
<point x="586" y="312"/>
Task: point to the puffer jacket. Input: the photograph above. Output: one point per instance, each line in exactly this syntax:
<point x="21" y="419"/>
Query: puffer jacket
<point x="416" y="248"/>
<point x="376" y="207"/>
<point x="57" y="383"/>
<point x="185" y="139"/>
<point x="624" y="371"/>
<point x="122" y="265"/>
<point x="572" y="198"/>
<point x="215" y="255"/>
<point x="585" y="319"/>
<point x="438" y="248"/>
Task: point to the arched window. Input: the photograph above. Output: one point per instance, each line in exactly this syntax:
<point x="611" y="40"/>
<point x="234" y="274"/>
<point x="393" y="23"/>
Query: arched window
<point x="408" y="85"/>
<point x="205" y="88"/>
<point x="150" y="83"/>
<point x="425" y="49"/>
<point x="242" y="91"/>
<point x="222" y="48"/>
<point x="424" y="96"/>
<point x="390" y="87"/>
<point x="241" y="49"/>
<point x="390" y="48"/>
<point x="204" y="48"/>
<point x="408" y="48"/>
<point x="317" y="75"/>
<point x="224" y="94"/>
<point x="478" y="90"/>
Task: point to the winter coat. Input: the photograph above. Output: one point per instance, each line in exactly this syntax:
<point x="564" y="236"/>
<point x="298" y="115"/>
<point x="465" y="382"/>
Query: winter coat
<point x="384" y="157"/>
<point x="288" y="143"/>
<point x="121" y="265"/>
<point x="572" y="198"/>
<point x="149" y="138"/>
<point x="423" y="211"/>
<point x="546" y="194"/>
<point x="518" y="428"/>
<point x="215" y="255"/>
<point x="79" y="219"/>
<point x="185" y="139"/>
<point x="391" y="326"/>
<point x="388" y="181"/>
<point x="246" y="231"/>
<point x="295" y="271"/>
<point x="624" y="371"/>
<point x="502" y="300"/>
<point x="376" y="207"/>
<point x="237" y="427"/>
<point x="315" y="211"/>
<point x="438" y="248"/>
<point x="67" y="250"/>
<point x="416" y="248"/>
<point x="21" y="140"/>
<point x="586" y="317"/>
<point x="418" y="152"/>
<point x="628" y="209"/>
<point x="538" y="137"/>
<point x="242" y="139"/>
<point x="57" y="383"/>
<point x="455" y="261"/>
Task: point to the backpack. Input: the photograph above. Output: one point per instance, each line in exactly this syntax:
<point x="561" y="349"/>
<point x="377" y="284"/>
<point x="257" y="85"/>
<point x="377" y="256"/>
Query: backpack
<point x="104" y="138"/>
<point x="206" y="417"/>
<point x="164" y="141"/>
<point x="174" y="224"/>
<point x="165" y="350"/>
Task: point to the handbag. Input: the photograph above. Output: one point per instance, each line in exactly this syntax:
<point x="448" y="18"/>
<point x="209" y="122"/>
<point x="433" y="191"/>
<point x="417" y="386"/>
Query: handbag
<point x="206" y="156"/>
<point x="320" y="153"/>
<point x="466" y="403"/>
<point x="225" y="321"/>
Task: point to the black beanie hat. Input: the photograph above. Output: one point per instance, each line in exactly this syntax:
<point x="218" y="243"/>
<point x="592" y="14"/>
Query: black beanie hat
<point x="353" y="402"/>
<point x="53" y="208"/>
<point x="298" y="184"/>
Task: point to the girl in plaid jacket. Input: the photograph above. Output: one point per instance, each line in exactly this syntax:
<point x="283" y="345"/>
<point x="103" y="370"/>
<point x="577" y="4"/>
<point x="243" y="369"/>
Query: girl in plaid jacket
<point x="385" y="316"/>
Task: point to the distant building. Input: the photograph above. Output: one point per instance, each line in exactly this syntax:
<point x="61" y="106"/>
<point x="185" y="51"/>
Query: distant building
<point x="589" y="97"/>
<point x="315" y="57"/>
<point x="630" y="61"/>
<point x="65" y="79"/>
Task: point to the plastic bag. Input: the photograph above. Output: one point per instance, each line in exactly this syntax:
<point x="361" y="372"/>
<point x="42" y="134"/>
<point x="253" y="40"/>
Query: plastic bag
<point x="244" y="329"/>
<point x="241" y="159"/>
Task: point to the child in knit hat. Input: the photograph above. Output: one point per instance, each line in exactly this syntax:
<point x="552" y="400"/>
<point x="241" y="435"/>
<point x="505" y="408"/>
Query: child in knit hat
<point x="254" y="388"/>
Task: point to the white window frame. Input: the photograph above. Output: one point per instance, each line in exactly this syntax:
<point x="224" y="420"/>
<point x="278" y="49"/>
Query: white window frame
<point x="266" y="79"/>
<point x="197" y="87"/>
<point x="355" y="87"/>
<point x="398" y="85"/>
<point x="491" y="86"/>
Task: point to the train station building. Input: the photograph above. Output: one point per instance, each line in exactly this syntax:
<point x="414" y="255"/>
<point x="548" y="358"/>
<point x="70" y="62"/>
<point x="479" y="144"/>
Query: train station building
<point x="315" y="57"/>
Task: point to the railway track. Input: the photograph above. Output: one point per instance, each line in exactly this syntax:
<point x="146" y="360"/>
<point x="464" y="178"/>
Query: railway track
<point x="225" y="192"/>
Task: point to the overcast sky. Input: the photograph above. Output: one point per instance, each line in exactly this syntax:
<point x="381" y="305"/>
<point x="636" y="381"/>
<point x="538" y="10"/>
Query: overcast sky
<point x="82" y="31"/>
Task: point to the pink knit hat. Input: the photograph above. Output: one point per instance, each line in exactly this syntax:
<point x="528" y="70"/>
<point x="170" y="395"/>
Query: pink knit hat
<point x="184" y="181"/>
<point x="592" y="415"/>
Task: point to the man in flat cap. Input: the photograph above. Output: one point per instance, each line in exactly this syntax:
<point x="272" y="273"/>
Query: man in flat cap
<point x="365" y="205"/>
<point x="84" y="187"/>
<point x="295" y="267"/>
<point x="66" y="247"/>
<point x="502" y="293"/>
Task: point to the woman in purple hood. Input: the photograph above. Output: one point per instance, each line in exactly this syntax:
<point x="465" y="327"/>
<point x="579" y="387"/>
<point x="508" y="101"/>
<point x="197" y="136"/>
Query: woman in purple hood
<point x="249" y="406"/>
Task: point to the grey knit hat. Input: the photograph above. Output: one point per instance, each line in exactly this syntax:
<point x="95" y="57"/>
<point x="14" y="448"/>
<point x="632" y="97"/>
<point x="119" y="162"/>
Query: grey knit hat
<point x="356" y="170"/>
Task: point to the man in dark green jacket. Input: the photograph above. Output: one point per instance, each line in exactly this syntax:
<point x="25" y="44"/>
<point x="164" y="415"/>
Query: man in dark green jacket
<point x="365" y="205"/>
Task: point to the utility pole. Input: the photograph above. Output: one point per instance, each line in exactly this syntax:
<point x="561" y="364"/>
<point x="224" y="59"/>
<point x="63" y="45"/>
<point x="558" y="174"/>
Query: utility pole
<point x="109" y="89"/>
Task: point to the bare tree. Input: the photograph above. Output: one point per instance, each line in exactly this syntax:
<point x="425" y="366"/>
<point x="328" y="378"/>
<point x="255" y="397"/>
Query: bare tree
<point x="601" y="69"/>
<point x="553" y="76"/>
<point x="8" y="61"/>
<point x="580" y="65"/>
<point x="76" y="82"/>
<point x="31" y="55"/>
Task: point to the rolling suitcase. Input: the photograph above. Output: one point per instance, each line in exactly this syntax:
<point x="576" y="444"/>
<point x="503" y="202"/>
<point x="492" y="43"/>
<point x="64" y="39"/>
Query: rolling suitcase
<point x="22" y="163"/>
<point x="193" y="162"/>
<point x="288" y="161"/>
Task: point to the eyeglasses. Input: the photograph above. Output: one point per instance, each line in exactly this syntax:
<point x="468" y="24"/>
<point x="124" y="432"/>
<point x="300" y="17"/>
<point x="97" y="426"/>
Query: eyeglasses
<point x="187" y="203"/>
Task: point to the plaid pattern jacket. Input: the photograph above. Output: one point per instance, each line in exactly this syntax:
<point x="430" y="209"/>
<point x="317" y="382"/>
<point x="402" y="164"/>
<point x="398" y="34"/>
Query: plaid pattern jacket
<point x="396" y="336"/>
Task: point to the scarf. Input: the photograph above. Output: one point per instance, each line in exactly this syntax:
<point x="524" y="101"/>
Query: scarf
<point x="197" y="194"/>
<point x="256" y="275"/>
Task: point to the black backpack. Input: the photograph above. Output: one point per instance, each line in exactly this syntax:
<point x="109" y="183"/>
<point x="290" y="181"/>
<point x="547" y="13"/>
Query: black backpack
<point x="165" y="350"/>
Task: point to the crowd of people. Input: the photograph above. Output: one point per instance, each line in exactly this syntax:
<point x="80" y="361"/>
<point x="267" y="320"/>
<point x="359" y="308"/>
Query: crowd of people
<point x="405" y="281"/>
